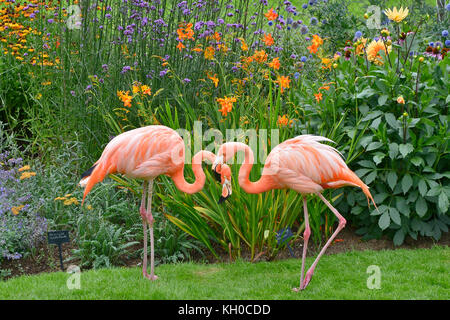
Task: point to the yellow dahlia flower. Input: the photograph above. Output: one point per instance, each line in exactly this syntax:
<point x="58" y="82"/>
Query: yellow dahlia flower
<point x="396" y="15"/>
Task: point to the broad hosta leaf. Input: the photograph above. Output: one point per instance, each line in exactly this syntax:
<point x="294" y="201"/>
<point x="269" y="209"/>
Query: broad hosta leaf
<point x="384" y="221"/>
<point x="443" y="202"/>
<point x="405" y="149"/>
<point x="392" y="179"/>
<point x="406" y="183"/>
<point x="393" y="150"/>
<point x="391" y="120"/>
<point x="423" y="188"/>
<point x="421" y="207"/>
<point x="395" y="216"/>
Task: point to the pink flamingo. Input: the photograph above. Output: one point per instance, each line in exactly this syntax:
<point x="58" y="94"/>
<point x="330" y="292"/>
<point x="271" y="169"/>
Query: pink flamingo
<point x="146" y="153"/>
<point x="304" y="165"/>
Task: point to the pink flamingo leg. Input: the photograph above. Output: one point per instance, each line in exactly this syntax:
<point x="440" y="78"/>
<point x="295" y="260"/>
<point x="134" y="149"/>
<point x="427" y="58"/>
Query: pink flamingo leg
<point x="306" y="235"/>
<point x="341" y="225"/>
<point x="150" y="223"/>
<point x="143" y="213"/>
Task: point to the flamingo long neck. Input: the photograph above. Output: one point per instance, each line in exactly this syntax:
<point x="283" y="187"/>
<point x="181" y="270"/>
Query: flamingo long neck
<point x="264" y="184"/>
<point x="180" y="181"/>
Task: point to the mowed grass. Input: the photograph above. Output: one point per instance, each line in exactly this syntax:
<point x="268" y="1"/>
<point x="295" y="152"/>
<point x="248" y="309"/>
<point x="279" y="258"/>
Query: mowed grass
<point x="405" y="274"/>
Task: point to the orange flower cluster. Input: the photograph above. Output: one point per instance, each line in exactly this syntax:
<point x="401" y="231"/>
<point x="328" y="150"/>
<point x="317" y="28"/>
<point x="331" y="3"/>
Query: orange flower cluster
<point x="185" y="32"/>
<point x="259" y="56"/>
<point x="125" y="98"/>
<point x="283" y="121"/>
<point x="271" y="14"/>
<point x="275" y="64"/>
<point x="268" y="39"/>
<point x="226" y="104"/>
<point x="214" y="79"/>
<point x="14" y="32"/>
<point x="209" y="53"/>
<point x="283" y="82"/>
<point x="316" y="43"/>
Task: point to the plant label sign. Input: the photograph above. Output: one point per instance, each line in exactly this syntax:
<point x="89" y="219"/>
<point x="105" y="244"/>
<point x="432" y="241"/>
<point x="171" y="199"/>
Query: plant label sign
<point x="58" y="238"/>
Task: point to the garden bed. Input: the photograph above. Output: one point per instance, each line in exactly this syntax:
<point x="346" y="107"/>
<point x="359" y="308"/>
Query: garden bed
<point x="46" y="259"/>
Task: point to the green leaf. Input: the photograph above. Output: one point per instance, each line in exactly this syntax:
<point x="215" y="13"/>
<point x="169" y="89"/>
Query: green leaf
<point x="443" y="202"/>
<point x="374" y="145"/>
<point x="393" y="150"/>
<point x="367" y="92"/>
<point x="370" y="177"/>
<point x="395" y="216"/>
<point x="405" y="149"/>
<point x="399" y="237"/>
<point x="421" y="207"/>
<point x="422" y="187"/>
<point x="417" y="161"/>
<point x="382" y="99"/>
<point x="407" y="182"/>
<point x="372" y="115"/>
<point x="391" y="120"/>
<point x="378" y="157"/>
<point x="367" y="164"/>
<point x="384" y="221"/>
<point x="392" y="179"/>
<point x="402" y="206"/>
<point x="434" y="191"/>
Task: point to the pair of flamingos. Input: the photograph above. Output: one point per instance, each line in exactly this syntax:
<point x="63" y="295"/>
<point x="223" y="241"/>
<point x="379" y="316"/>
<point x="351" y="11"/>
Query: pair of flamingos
<point x="302" y="164"/>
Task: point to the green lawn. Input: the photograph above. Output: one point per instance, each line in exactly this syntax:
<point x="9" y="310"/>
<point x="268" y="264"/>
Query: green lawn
<point x="405" y="274"/>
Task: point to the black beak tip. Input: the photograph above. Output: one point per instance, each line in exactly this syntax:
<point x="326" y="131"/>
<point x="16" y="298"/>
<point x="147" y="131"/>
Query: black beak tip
<point x="222" y="199"/>
<point x="217" y="176"/>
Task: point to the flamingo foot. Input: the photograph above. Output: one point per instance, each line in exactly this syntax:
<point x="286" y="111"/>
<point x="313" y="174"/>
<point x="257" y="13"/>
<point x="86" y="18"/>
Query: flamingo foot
<point x="308" y="277"/>
<point x="150" y="277"/>
<point x="296" y="289"/>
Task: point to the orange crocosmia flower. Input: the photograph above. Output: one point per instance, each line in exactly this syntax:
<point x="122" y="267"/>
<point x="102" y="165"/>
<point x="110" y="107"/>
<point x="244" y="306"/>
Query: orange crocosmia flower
<point x="197" y="49"/>
<point x="209" y="53"/>
<point x="324" y="88"/>
<point x="275" y="64"/>
<point x="268" y="39"/>
<point x="271" y="14"/>
<point x="226" y="104"/>
<point x="214" y="79"/>
<point x="260" y="56"/>
<point x="180" y="46"/>
<point x="283" y="82"/>
<point x="318" y="96"/>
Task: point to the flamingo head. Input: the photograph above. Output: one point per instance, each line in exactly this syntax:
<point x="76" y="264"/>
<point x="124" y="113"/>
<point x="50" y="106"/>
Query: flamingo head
<point x="223" y="174"/>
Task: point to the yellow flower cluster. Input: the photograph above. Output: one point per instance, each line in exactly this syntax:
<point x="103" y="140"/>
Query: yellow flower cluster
<point x="25" y="173"/>
<point x="67" y="200"/>
<point x="16" y="210"/>
<point x="14" y="32"/>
